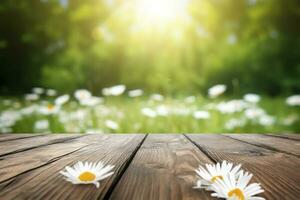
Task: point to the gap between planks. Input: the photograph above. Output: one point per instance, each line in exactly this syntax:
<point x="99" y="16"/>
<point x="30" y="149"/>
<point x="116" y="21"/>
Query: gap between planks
<point x="281" y="145"/>
<point x="123" y="169"/>
<point x="201" y="149"/>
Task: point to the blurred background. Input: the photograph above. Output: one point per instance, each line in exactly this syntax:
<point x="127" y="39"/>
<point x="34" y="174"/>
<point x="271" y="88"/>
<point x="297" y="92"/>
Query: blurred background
<point x="166" y="53"/>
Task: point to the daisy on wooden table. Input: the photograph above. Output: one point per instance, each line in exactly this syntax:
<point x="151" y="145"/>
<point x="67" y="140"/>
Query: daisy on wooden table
<point x="87" y="173"/>
<point x="234" y="188"/>
<point x="214" y="172"/>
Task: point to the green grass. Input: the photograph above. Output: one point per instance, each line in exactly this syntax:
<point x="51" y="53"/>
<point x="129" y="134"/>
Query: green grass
<point x="126" y="112"/>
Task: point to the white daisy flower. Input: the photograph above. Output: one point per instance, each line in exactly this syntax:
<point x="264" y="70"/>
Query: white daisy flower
<point x="234" y="188"/>
<point x="41" y="125"/>
<point x="216" y="91"/>
<point x="235" y="123"/>
<point x="51" y="92"/>
<point x="293" y="100"/>
<point x="92" y="101"/>
<point x="8" y="118"/>
<point x="87" y="173"/>
<point x="135" y="93"/>
<point x="232" y="106"/>
<point x="114" y="91"/>
<point x="148" y="112"/>
<point x="29" y="110"/>
<point x="49" y="109"/>
<point x="31" y="97"/>
<point x="82" y="94"/>
<point x="254" y="113"/>
<point x="266" y="120"/>
<point x="157" y="97"/>
<point x="80" y="114"/>
<point x="38" y="90"/>
<point x="252" y="98"/>
<point x="111" y="124"/>
<point x="214" y="172"/>
<point x="200" y="114"/>
<point x="62" y="99"/>
<point x="162" y="110"/>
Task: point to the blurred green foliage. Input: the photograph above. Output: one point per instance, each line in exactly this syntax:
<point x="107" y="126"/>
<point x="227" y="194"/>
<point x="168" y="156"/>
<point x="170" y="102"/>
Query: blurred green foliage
<point x="249" y="45"/>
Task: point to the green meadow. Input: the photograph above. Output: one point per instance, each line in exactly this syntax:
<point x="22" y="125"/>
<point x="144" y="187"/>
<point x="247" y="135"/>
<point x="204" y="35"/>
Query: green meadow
<point x="147" y="114"/>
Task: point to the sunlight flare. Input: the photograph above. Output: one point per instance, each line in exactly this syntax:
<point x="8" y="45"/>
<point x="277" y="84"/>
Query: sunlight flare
<point x="160" y="12"/>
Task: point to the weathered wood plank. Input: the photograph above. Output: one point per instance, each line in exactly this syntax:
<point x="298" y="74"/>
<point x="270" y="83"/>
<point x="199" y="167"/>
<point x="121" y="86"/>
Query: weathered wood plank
<point x="288" y="136"/>
<point x="15" y="146"/>
<point x="273" y="143"/>
<point x="15" y="164"/>
<point x="46" y="182"/>
<point x="163" y="168"/>
<point x="8" y="137"/>
<point x="277" y="172"/>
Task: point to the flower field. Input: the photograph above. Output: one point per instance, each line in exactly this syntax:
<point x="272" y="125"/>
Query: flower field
<point x="119" y="110"/>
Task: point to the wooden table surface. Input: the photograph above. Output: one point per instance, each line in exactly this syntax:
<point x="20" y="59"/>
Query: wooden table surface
<point x="154" y="166"/>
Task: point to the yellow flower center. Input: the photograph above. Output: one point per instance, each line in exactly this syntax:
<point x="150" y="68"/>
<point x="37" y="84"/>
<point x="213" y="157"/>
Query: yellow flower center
<point x="87" y="176"/>
<point x="50" y="107"/>
<point x="237" y="193"/>
<point x="213" y="179"/>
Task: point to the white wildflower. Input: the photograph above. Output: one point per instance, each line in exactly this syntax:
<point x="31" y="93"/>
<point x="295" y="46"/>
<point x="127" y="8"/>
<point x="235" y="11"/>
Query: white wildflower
<point x="112" y="124"/>
<point x="200" y="114"/>
<point x="216" y="91"/>
<point x="135" y="93"/>
<point x="41" y="125"/>
<point x="62" y="99"/>
<point x="293" y="100"/>
<point x="149" y="112"/>
<point x="114" y="91"/>
<point x="252" y="98"/>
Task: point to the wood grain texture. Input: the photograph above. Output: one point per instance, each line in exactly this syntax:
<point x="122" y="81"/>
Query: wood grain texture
<point x="46" y="182"/>
<point x="288" y="136"/>
<point x="163" y="168"/>
<point x="15" y="146"/>
<point x="277" y="172"/>
<point x="7" y="137"/>
<point x="274" y="143"/>
<point x="15" y="164"/>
